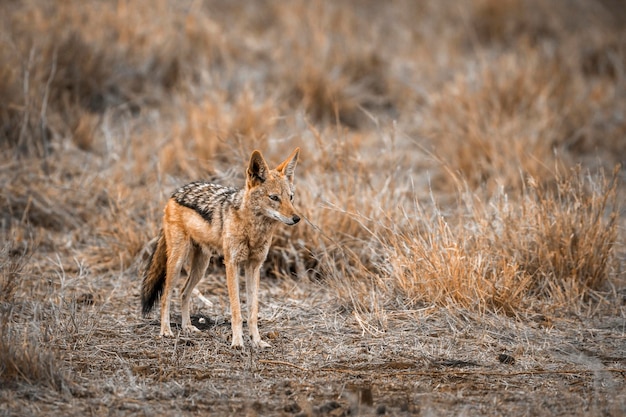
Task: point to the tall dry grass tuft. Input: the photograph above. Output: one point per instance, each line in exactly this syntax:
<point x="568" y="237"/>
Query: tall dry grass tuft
<point x="120" y="230"/>
<point x="33" y="195"/>
<point x="25" y="356"/>
<point x="63" y="62"/>
<point x="510" y="21"/>
<point x="331" y="71"/>
<point x="570" y="234"/>
<point x="213" y="130"/>
<point x="511" y="117"/>
<point x="510" y="254"/>
<point x="15" y="257"/>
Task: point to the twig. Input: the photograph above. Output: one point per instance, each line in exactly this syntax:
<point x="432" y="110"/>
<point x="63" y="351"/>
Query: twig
<point x="44" y="108"/>
<point x="293" y="365"/>
<point x="26" y="87"/>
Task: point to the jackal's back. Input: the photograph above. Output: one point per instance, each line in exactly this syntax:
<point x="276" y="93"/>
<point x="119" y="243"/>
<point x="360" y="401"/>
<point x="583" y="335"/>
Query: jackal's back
<point x="208" y="200"/>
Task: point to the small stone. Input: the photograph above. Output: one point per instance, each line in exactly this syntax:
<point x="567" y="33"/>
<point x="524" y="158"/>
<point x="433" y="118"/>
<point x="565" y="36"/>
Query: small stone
<point x="506" y="359"/>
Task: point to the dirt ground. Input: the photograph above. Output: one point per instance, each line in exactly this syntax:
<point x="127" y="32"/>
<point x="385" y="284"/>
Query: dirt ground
<point x="325" y="359"/>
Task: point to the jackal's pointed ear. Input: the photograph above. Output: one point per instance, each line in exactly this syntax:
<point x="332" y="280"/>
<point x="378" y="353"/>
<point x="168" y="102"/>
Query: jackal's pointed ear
<point x="257" y="169"/>
<point x="288" y="167"/>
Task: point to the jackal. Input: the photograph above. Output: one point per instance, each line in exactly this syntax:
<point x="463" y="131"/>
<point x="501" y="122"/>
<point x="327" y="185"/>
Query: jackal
<point x="203" y="219"/>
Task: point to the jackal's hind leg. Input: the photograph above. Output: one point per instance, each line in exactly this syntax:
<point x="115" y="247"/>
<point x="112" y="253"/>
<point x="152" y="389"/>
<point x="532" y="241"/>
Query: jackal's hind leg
<point x="177" y="254"/>
<point x="199" y="262"/>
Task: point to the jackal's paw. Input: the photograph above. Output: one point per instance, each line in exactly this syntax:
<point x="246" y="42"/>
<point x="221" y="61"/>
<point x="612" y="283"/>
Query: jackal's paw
<point x="237" y="343"/>
<point x="190" y="328"/>
<point x="261" y="344"/>
<point x="166" y="333"/>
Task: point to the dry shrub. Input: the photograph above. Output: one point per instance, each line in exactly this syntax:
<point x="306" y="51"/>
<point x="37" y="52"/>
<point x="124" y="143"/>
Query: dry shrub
<point x="11" y="107"/>
<point x="349" y="215"/>
<point x="25" y="358"/>
<point x="508" y="21"/>
<point x="342" y="95"/>
<point x="603" y="63"/>
<point x="15" y="255"/>
<point x="62" y="60"/>
<point x="570" y="235"/>
<point x="213" y="129"/>
<point x="333" y="76"/>
<point x="605" y="57"/>
<point x="32" y="196"/>
<point x="120" y="230"/>
<point x="511" y="118"/>
<point x="330" y="206"/>
<point x="505" y="255"/>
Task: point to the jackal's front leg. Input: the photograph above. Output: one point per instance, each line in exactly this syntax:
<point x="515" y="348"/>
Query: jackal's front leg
<point x="232" y="281"/>
<point x="252" y="289"/>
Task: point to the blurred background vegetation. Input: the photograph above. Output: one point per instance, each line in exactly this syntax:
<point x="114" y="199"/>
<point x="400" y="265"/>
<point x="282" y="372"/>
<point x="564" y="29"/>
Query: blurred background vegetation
<point x="456" y="153"/>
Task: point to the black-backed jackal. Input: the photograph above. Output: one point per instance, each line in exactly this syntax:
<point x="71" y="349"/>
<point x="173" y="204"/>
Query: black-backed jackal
<point x="202" y="219"/>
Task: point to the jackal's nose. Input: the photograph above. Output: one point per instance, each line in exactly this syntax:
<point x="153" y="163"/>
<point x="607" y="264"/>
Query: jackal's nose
<point x="295" y="219"/>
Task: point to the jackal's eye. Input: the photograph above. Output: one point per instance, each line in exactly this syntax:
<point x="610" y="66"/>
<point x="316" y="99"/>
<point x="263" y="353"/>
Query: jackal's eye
<point x="274" y="197"/>
<point x="291" y="197"/>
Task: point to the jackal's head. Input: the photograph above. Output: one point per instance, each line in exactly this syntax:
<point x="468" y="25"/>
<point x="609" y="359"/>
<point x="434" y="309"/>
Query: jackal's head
<point x="270" y="191"/>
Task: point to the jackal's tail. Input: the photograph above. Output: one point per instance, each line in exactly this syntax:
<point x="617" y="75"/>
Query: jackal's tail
<point x="154" y="276"/>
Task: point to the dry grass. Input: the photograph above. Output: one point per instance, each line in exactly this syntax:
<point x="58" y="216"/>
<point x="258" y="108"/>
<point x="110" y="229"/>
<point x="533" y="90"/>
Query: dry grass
<point x="24" y="356"/>
<point x="460" y="180"/>
<point x="509" y="256"/>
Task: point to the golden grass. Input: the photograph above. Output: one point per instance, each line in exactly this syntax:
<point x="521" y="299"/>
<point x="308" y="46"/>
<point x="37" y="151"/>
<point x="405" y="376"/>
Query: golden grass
<point x="505" y="255"/>
<point x="24" y="356"/>
<point x="509" y="119"/>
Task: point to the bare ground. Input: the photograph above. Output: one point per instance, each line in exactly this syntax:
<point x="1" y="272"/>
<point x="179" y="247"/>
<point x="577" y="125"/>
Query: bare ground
<point x="325" y="358"/>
